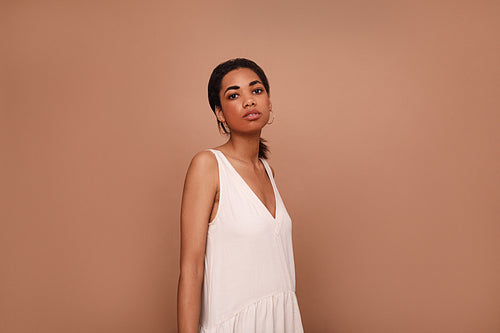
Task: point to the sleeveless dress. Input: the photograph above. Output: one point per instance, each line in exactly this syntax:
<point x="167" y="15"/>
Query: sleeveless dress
<point x="249" y="278"/>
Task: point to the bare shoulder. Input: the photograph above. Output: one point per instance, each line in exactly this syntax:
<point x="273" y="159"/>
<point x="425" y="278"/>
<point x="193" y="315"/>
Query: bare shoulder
<point x="203" y="164"/>
<point x="200" y="187"/>
<point x="204" y="158"/>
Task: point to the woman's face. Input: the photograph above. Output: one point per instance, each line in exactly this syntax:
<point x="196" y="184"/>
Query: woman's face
<point x="245" y="103"/>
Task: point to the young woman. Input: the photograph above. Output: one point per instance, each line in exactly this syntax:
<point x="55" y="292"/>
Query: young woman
<point x="237" y="267"/>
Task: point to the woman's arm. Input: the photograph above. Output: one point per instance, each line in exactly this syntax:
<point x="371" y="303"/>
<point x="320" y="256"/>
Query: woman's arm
<point x="198" y="196"/>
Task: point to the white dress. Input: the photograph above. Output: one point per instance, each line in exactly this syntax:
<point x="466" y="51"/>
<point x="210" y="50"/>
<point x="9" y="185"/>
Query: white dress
<point x="249" y="278"/>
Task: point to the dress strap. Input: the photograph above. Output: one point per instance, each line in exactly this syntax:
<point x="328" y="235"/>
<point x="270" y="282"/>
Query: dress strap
<point x="220" y="157"/>
<point x="268" y="169"/>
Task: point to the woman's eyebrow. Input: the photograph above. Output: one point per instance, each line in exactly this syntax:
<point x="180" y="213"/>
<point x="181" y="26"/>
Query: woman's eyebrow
<point x="238" y="87"/>
<point x="232" y="87"/>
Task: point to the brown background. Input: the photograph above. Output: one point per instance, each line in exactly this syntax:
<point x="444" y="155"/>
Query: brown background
<point x="385" y="146"/>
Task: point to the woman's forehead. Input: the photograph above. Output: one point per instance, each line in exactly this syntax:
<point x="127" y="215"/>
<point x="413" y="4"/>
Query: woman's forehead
<point x="239" y="77"/>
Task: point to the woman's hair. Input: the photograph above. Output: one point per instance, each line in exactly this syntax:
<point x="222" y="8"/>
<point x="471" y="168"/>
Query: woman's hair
<point x="214" y="87"/>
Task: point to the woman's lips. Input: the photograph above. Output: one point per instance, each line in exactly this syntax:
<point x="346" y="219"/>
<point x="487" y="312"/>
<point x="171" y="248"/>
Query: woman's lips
<point x="253" y="115"/>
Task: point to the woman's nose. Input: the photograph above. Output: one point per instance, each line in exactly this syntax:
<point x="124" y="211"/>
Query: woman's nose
<point x="249" y="102"/>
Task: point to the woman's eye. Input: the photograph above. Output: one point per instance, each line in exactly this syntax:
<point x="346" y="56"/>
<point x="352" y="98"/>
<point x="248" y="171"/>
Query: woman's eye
<point x="258" y="91"/>
<point x="232" y="96"/>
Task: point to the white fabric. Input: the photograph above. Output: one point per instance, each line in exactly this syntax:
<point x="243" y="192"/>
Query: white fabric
<point x="249" y="279"/>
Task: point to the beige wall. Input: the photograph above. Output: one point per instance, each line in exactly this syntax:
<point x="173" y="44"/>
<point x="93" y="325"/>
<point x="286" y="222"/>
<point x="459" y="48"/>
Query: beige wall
<point x="385" y="147"/>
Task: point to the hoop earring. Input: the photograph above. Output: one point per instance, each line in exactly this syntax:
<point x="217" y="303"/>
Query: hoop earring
<point x="272" y="120"/>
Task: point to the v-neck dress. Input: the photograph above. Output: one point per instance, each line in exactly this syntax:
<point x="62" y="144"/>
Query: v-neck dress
<point x="249" y="277"/>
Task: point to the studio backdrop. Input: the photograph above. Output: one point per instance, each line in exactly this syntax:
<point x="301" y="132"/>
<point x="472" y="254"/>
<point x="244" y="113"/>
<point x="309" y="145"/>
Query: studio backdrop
<point x="385" y="147"/>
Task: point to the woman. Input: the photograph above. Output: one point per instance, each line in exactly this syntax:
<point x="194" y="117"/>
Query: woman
<point x="237" y="267"/>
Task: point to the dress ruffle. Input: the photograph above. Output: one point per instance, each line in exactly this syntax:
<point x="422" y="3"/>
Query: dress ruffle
<point x="276" y="313"/>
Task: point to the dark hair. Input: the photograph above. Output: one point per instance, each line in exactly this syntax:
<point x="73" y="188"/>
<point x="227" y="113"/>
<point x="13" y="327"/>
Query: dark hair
<point x="214" y="87"/>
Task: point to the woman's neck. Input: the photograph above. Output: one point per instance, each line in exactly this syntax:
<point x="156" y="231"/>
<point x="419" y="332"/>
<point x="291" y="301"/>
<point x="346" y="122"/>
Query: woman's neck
<point x="244" y="147"/>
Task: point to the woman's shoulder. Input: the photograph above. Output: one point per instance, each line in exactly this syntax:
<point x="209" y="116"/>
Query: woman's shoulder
<point x="204" y="160"/>
<point x="203" y="170"/>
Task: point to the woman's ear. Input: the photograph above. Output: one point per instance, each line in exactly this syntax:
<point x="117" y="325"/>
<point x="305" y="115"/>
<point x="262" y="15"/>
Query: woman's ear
<point x="219" y="114"/>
